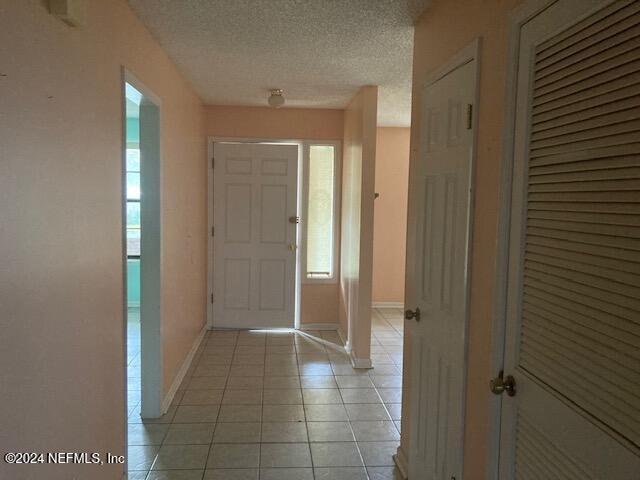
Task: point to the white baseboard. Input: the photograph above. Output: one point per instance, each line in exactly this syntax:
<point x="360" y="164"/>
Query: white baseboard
<point x="166" y="402"/>
<point x="355" y="362"/>
<point x="345" y="340"/>
<point x="401" y="462"/>
<point x="320" y="326"/>
<point x="387" y="305"/>
<point x="360" y="362"/>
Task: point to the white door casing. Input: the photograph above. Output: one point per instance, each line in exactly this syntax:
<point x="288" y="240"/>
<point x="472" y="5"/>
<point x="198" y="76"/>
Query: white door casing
<point x="437" y="275"/>
<point x="151" y="390"/>
<point x="254" y="265"/>
<point x="570" y="308"/>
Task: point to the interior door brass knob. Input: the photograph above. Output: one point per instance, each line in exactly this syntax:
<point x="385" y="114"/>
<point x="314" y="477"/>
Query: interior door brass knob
<point x="499" y="385"/>
<point x="410" y="314"/>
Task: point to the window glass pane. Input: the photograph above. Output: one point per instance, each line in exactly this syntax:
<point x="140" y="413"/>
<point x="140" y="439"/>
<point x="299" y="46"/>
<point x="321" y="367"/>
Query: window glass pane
<point x="320" y="212"/>
<point x="133" y="160"/>
<point x="133" y="186"/>
<point x="133" y="215"/>
<point x="133" y="241"/>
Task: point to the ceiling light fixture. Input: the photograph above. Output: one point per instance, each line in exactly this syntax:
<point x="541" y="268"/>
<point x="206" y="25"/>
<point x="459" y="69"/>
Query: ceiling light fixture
<point x="276" y="99"/>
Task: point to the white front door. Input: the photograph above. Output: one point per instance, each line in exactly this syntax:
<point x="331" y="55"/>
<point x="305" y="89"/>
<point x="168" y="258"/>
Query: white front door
<point x="573" y="298"/>
<point x="437" y="275"/>
<point x="255" y="196"/>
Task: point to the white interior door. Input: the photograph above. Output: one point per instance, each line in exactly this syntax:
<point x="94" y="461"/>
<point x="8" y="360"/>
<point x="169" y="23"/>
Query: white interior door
<point x="255" y="194"/>
<point x="573" y="302"/>
<point x="437" y="275"/>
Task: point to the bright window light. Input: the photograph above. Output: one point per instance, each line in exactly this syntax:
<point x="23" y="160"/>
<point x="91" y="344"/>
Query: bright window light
<point x="320" y="212"/>
<point x="131" y="93"/>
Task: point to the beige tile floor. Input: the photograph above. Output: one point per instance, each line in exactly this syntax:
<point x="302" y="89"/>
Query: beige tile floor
<point x="278" y="406"/>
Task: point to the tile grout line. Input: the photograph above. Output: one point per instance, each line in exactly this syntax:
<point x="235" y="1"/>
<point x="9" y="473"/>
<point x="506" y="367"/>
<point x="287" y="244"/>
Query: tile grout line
<point x="298" y="363"/>
<point x="384" y="405"/>
<point x="264" y="374"/>
<point x="304" y="410"/>
<point x="224" y="390"/>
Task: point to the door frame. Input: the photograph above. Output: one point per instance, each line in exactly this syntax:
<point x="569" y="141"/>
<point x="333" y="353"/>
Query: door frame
<point x="150" y="297"/>
<point x="210" y="218"/>
<point x="471" y="52"/>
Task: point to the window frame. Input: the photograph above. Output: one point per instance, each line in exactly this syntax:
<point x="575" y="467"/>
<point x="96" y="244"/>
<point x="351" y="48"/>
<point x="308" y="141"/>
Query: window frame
<point x="337" y="182"/>
<point x="132" y="146"/>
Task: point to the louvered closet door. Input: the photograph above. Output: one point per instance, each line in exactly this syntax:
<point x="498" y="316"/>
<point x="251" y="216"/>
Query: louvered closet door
<point x="573" y="326"/>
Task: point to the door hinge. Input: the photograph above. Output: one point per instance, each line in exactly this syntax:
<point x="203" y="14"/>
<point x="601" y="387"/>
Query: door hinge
<point x="213" y="162"/>
<point x="469" y="116"/>
<point x="212" y="298"/>
<point x="213" y="231"/>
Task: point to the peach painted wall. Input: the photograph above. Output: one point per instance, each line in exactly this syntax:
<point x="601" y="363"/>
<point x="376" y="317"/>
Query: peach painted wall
<point x="318" y="302"/>
<point x="390" y="217"/>
<point x="358" y="188"/>
<point x="274" y="123"/>
<point x="62" y="358"/>
<point x="442" y="31"/>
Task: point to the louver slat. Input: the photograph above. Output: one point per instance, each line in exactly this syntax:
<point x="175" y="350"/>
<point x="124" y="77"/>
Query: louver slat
<point x="627" y="66"/>
<point x="627" y="317"/>
<point x="578" y="127"/>
<point x="594" y="319"/>
<point x="579" y="174"/>
<point x="538" y="456"/>
<point x="586" y="217"/>
<point x="616" y="44"/>
<point x="569" y="253"/>
<point x="587" y="268"/>
<point x="606" y="92"/>
<point x="596" y="105"/>
<point x="581" y="274"/>
<point x="602" y="25"/>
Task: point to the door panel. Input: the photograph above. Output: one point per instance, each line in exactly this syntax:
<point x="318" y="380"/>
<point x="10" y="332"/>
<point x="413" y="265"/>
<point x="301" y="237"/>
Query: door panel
<point x="255" y="193"/>
<point x="573" y="315"/>
<point x="237" y="213"/>
<point x="273" y="225"/>
<point x="237" y="283"/>
<point x="439" y="212"/>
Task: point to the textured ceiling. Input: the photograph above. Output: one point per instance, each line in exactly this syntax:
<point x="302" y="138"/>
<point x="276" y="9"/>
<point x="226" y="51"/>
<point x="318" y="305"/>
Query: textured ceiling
<point x="319" y="51"/>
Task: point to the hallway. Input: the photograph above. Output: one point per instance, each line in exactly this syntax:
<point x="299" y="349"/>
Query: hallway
<point x="278" y="406"/>
<point x="320" y="240"/>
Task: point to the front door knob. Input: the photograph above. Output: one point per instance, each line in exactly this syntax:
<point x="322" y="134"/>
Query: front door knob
<point x="409" y="314"/>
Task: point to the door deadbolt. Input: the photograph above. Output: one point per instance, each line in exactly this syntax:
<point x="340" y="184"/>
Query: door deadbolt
<point x="294" y="220"/>
<point x="500" y="384"/>
<point x="409" y="314"/>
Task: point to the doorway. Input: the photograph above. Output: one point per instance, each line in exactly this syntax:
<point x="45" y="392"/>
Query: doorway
<point x="142" y="233"/>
